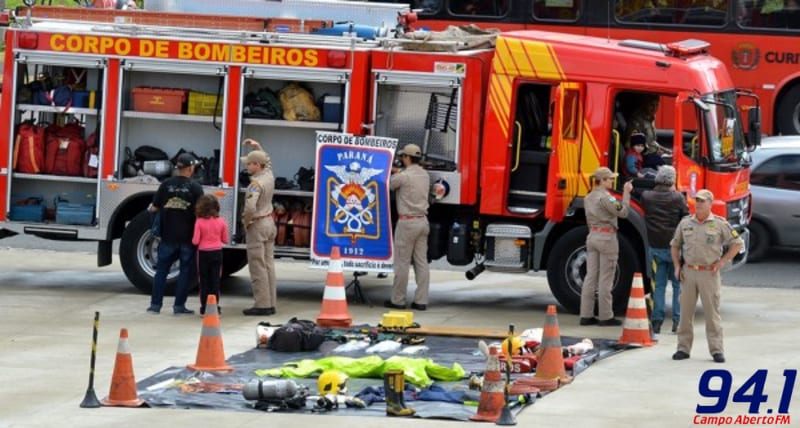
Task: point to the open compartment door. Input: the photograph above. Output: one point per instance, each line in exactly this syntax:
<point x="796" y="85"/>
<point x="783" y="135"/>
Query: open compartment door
<point x="565" y="178"/>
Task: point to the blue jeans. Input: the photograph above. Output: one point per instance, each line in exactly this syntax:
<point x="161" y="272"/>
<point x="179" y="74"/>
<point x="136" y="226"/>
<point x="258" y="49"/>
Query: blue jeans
<point x="663" y="269"/>
<point x="168" y="252"/>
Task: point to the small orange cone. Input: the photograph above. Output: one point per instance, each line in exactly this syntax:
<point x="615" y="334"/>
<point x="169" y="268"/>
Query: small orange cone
<point x="123" y="383"/>
<point x="551" y="361"/>
<point x="334" y="301"/>
<point x="492" y="395"/>
<point x="210" y="353"/>
<point x="636" y="328"/>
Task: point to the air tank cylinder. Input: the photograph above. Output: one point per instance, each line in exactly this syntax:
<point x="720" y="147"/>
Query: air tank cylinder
<point x="269" y="390"/>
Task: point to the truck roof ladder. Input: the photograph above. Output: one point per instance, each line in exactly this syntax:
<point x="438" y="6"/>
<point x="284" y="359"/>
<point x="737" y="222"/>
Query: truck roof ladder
<point x="267" y="37"/>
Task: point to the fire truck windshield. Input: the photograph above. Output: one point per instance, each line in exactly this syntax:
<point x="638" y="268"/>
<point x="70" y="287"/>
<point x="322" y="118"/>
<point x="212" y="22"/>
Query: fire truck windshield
<point x="724" y="129"/>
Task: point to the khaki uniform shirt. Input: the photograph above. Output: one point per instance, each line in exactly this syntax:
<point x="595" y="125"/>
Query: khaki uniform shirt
<point x="413" y="186"/>
<point x="603" y="209"/>
<point x="258" y="199"/>
<point x="702" y="242"/>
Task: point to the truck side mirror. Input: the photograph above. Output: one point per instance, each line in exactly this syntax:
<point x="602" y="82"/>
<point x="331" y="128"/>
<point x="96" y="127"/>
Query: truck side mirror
<point x="753" y="127"/>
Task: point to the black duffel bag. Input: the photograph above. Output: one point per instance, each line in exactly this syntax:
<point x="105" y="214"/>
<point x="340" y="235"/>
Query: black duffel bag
<point x="149" y="153"/>
<point x="296" y="336"/>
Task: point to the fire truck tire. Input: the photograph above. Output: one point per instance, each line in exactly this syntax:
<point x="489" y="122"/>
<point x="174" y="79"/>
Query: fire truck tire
<point x="566" y="269"/>
<point x="759" y="241"/>
<point x="788" y="112"/>
<point x="137" y="255"/>
<point x="233" y="261"/>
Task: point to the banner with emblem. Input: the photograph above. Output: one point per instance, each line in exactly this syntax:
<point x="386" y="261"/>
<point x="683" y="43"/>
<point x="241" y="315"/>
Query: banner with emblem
<point x="351" y="201"/>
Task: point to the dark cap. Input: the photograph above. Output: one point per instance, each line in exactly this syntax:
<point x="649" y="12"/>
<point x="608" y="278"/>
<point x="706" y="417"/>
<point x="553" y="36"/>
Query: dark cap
<point x="637" y="138"/>
<point x="186" y="160"/>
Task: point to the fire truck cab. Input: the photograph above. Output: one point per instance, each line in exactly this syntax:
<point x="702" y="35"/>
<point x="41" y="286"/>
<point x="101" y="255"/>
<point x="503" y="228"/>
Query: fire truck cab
<point x="512" y="134"/>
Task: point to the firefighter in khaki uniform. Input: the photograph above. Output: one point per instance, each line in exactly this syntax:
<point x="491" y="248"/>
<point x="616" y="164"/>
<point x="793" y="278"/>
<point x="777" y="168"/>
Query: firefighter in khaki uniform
<point x="412" y="186"/>
<point x="700" y="238"/>
<point x="602" y="247"/>
<point x="261" y="231"/>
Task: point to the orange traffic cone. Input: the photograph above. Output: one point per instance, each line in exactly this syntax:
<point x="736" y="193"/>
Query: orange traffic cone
<point x="492" y="395"/>
<point x="210" y="353"/>
<point x="551" y="361"/>
<point x="123" y="383"/>
<point x="538" y="383"/>
<point x="334" y="301"/>
<point x="636" y="328"/>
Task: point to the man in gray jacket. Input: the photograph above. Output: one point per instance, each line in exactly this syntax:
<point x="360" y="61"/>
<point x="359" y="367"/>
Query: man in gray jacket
<point x="664" y="207"/>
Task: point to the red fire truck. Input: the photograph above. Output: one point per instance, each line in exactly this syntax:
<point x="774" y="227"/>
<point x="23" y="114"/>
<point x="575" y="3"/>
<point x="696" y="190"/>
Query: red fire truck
<point x="511" y="131"/>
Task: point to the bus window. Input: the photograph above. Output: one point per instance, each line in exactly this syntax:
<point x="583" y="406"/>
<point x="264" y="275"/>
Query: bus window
<point x="768" y="13"/>
<point x="709" y="13"/>
<point x="429" y="7"/>
<point x="494" y="8"/>
<point x="556" y="10"/>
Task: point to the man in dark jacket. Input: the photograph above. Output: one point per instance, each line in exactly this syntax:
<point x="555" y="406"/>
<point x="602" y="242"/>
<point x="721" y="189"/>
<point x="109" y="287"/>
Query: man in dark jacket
<point x="664" y="207"/>
<point x="174" y="202"/>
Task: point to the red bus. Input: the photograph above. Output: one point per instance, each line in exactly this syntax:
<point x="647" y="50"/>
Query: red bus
<point x="757" y="39"/>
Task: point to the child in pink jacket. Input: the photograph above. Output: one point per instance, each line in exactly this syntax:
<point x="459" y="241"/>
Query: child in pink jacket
<point x="210" y="233"/>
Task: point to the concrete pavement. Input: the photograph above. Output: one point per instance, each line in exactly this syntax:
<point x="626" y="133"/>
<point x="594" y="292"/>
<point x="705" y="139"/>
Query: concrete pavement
<point x="48" y="300"/>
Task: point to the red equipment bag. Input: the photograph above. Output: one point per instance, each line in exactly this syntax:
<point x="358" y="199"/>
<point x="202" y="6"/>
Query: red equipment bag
<point x="91" y="156"/>
<point x="301" y="225"/>
<point x="281" y="217"/>
<point x="29" y="149"/>
<point x="64" y="150"/>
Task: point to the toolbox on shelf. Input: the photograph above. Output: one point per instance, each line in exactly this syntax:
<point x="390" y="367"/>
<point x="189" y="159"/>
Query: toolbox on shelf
<point x="202" y="104"/>
<point x="27" y="207"/>
<point x="75" y="208"/>
<point x="159" y="100"/>
<point x="331" y="109"/>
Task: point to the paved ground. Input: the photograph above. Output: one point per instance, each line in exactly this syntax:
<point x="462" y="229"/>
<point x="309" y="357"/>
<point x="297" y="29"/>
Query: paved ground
<point x="48" y="300"/>
<point x="778" y="269"/>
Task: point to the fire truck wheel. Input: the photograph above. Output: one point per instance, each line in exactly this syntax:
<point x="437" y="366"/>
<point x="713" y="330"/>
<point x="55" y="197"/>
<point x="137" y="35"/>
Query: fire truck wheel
<point x="566" y="269"/>
<point x="759" y="241"/>
<point x="138" y="250"/>
<point x="788" y="113"/>
<point x="233" y="261"/>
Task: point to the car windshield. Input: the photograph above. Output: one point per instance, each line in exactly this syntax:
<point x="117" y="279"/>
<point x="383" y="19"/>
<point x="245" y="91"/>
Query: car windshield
<point x="725" y="135"/>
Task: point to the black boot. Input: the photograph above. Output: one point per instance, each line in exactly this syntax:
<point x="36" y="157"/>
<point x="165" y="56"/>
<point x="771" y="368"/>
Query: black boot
<point x="657" y="326"/>
<point x="394" y="385"/>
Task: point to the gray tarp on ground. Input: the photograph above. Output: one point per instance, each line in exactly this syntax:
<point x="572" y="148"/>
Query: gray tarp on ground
<point x="163" y="389"/>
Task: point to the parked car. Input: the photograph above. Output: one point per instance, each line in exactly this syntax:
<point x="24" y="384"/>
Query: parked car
<point x="775" y="185"/>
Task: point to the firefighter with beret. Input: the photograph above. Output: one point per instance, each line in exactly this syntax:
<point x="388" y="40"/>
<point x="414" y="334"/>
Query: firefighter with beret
<point x="697" y="252"/>
<point x="412" y="187"/>
<point x="260" y="230"/>
<point x="602" y="247"/>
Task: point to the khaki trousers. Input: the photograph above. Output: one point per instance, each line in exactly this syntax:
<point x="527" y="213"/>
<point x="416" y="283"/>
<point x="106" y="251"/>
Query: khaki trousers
<point x="260" y="253"/>
<point x="707" y="284"/>
<point x="602" y="252"/>
<point x="411" y="246"/>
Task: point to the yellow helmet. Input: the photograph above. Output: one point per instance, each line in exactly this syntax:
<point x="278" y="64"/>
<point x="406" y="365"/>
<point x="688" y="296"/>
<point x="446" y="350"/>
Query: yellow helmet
<point x="332" y="382"/>
<point x="514" y="343"/>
